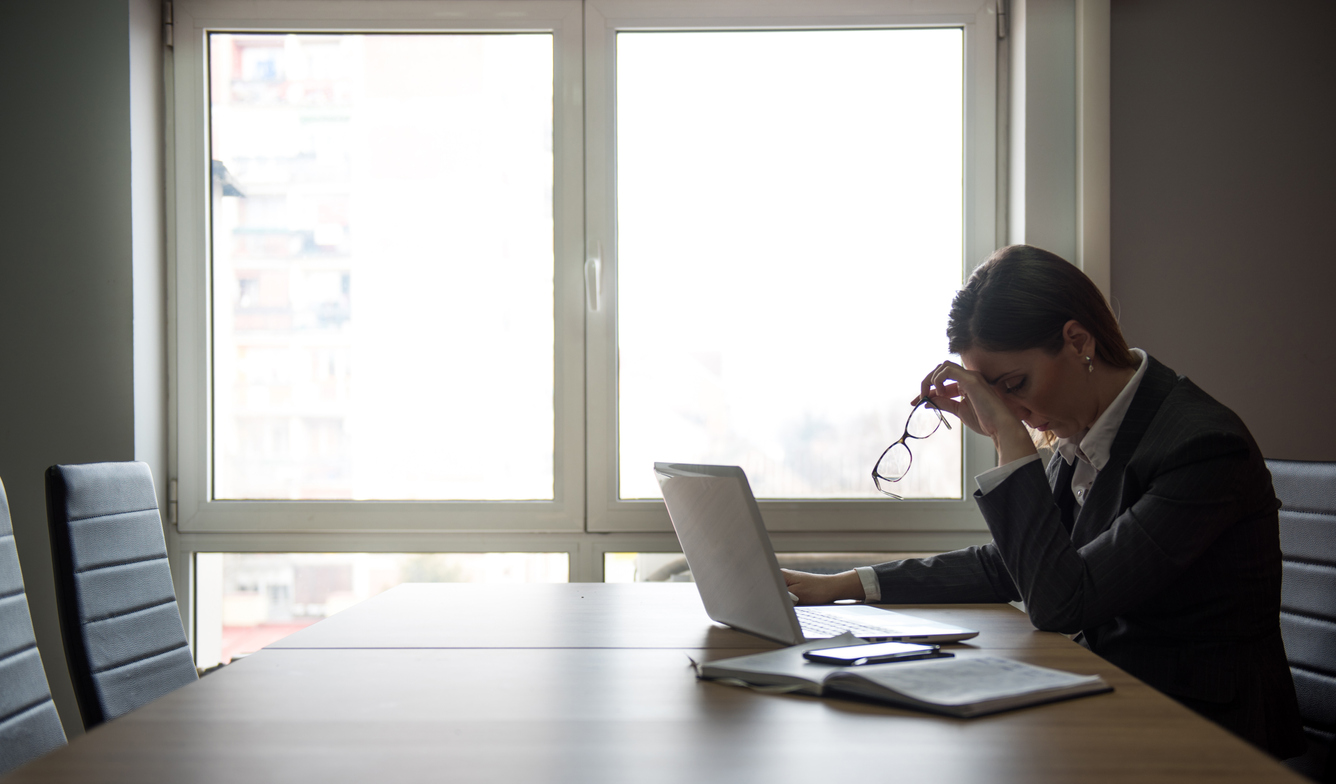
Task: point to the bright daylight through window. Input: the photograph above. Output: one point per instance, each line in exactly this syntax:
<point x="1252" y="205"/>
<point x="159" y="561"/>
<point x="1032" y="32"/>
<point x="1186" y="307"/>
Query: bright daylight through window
<point x="245" y="601"/>
<point x="449" y="278"/>
<point x="382" y="266"/>
<point x="790" y="232"/>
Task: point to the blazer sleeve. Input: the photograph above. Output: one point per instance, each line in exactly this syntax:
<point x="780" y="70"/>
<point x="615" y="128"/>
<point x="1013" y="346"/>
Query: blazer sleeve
<point x="974" y="575"/>
<point x="1189" y="500"/>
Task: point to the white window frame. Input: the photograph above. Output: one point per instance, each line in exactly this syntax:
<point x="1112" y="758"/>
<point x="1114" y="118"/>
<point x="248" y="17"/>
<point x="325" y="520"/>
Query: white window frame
<point x="585" y="390"/>
<point x="196" y="510"/>
<point x="603" y="20"/>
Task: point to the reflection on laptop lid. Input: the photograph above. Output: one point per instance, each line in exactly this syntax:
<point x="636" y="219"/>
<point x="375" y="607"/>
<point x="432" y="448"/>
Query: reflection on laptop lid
<point x="726" y="545"/>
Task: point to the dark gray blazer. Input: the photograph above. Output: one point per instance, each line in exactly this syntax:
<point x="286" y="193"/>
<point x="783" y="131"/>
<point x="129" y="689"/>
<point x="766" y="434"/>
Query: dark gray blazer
<point x="1171" y="572"/>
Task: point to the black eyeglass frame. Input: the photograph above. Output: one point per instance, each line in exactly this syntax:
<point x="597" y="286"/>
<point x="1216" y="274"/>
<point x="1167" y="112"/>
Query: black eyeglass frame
<point x="877" y="478"/>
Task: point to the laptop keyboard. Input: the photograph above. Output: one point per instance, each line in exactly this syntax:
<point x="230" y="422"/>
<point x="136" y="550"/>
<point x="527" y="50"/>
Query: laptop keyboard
<point x="817" y="623"/>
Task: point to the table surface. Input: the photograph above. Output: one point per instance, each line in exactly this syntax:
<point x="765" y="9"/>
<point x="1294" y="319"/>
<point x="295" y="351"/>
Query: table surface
<point x="584" y="615"/>
<point x="591" y="683"/>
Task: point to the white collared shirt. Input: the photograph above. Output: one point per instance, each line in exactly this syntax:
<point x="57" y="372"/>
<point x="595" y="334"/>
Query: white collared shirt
<point x="1090" y="449"/>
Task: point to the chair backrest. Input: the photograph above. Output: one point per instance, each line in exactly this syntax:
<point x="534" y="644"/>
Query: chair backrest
<point x="1307" y="492"/>
<point x="123" y="637"/>
<point x="29" y="724"/>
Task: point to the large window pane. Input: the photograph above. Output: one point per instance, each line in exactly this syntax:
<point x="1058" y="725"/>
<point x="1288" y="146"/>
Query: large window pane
<point x="245" y="601"/>
<point x="382" y="266"/>
<point x="790" y="235"/>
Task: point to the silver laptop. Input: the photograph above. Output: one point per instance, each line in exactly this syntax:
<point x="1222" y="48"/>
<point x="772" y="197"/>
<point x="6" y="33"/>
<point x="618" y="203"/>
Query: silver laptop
<point x="726" y="545"/>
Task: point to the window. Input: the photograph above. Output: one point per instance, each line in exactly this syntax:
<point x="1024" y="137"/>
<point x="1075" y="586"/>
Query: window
<point x="377" y="217"/>
<point x="381" y="233"/>
<point x="782" y="200"/>
<point x="789" y="233"/>
<point x="245" y="601"/>
<point x="452" y="269"/>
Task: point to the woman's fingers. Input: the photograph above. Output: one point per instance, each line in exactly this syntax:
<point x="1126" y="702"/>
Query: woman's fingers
<point x="800" y="584"/>
<point x="969" y="396"/>
<point x="949" y="406"/>
<point x="979" y="404"/>
<point x="954" y="390"/>
<point x="949" y="372"/>
<point x="823" y="588"/>
<point x="943" y="382"/>
<point x="930" y="381"/>
<point x="945" y="392"/>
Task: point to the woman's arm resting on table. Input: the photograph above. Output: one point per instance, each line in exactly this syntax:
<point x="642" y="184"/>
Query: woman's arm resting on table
<point x="973" y="575"/>
<point x="823" y="588"/>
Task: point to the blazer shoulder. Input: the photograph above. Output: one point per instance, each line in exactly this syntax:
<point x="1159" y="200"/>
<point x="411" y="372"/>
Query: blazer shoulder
<point x="1199" y="440"/>
<point x="1191" y="424"/>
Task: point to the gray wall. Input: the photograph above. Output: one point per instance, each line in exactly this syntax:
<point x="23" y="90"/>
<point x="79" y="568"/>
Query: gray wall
<point x="66" y="323"/>
<point x="148" y="214"/>
<point x="1224" y="195"/>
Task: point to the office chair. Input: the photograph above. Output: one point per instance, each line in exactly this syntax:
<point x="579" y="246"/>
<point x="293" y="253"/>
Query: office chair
<point x="1307" y="491"/>
<point x="29" y="724"/>
<point x="123" y="637"/>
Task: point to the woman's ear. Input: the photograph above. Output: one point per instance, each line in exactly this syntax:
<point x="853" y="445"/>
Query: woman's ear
<point x="1078" y="339"/>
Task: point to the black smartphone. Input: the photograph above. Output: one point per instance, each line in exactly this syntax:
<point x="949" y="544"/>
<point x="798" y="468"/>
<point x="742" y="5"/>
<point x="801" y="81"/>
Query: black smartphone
<point x="875" y="653"/>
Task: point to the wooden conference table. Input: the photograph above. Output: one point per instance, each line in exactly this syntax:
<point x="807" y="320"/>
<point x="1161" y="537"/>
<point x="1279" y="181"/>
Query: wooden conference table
<point x="591" y="683"/>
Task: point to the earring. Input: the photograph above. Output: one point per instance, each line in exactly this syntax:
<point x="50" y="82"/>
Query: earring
<point x="1090" y="365"/>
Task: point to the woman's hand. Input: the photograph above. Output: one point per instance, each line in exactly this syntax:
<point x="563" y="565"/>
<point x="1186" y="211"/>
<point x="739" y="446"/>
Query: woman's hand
<point x="970" y="397"/>
<point x="823" y="588"/>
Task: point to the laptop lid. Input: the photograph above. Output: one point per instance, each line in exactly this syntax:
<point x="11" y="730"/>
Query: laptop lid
<point x="728" y="550"/>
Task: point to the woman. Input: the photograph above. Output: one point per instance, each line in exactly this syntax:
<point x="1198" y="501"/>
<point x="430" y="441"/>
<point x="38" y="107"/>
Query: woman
<point x="1153" y="538"/>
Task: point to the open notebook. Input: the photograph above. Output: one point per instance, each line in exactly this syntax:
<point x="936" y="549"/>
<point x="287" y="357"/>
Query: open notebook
<point x="964" y="687"/>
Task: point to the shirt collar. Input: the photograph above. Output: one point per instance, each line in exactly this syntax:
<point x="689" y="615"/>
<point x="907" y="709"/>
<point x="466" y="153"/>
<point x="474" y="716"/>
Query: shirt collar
<point x="1094" y="444"/>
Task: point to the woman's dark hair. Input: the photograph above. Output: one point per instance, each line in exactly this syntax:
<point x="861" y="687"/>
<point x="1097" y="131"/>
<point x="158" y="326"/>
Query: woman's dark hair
<point x="1021" y="297"/>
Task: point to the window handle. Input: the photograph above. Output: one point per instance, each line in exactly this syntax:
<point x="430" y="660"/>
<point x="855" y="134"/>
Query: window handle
<point x="594" y="275"/>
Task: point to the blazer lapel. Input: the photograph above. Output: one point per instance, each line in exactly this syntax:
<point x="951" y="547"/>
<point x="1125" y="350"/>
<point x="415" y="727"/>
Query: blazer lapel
<point x="1055" y="463"/>
<point x="1101" y="505"/>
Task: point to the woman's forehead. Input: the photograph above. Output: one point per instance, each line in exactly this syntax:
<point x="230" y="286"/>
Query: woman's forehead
<point x="996" y="365"/>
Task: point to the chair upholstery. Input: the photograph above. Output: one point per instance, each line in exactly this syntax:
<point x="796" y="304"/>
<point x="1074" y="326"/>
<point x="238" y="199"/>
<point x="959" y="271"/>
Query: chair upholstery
<point x="29" y="724"/>
<point x="1307" y="491"/>
<point x="123" y="637"/>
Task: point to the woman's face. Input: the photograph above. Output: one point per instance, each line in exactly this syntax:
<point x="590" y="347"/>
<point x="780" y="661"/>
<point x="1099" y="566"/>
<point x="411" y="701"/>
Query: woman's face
<point x="1048" y="392"/>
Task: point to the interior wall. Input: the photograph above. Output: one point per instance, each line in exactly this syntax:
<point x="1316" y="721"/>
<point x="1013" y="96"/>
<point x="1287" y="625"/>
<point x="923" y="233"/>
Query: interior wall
<point x="66" y="343"/>
<point x="1043" y="177"/>
<point x="1223" y="194"/>
<point x="148" y="239"/>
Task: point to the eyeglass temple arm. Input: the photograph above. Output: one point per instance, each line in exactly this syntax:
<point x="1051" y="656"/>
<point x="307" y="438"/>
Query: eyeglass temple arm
<point x="938" y="410"/>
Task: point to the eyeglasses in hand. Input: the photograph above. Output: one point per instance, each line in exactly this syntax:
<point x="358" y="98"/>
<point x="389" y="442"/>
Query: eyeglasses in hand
<point x="895" y="461"/>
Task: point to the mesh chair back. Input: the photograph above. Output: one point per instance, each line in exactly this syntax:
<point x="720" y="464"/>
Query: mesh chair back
<point x="1307" y="491"/>
<point x="123" y="637"/>
<point x="29" y="724"/>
